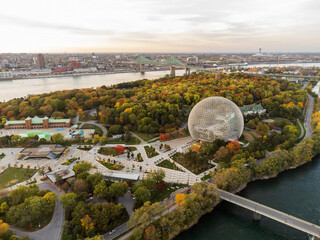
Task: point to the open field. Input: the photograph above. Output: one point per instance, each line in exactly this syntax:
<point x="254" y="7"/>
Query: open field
<point x="12" y="176"/>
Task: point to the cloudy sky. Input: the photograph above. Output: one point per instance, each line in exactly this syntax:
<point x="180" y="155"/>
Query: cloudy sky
<point x="159" y="25"/>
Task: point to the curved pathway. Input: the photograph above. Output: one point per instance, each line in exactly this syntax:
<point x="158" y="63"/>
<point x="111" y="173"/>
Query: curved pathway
<point x="307" y="120"/>
<point x="104" y="130"/>
<point x="53" y="231"/>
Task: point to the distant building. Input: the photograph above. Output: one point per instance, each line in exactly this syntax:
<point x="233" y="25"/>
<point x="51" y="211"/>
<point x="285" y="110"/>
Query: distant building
<point x="85" y="70"/>
<point x="37" y="122"/>
<point x="75" y="65"/>
<point x="6" y="75"/>
<point x="193" y="59"/>
<point x="252" y="109"/>
<point x="40" y="61"/>
<point x="45" y="151"/>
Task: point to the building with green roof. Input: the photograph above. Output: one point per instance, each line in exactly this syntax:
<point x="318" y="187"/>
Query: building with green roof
<point x="37" y="122"/>
<point x="252" y="109"/>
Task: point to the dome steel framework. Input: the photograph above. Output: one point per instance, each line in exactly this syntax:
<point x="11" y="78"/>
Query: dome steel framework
<point x="215" y="117"/>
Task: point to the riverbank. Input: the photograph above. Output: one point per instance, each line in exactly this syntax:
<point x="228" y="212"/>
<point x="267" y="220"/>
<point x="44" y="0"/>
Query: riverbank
<point x="76" y="74"/>
<point x="23" y="87"/>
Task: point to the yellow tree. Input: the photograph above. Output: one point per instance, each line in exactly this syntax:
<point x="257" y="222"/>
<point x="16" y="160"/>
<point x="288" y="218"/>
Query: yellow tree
<point x="3" y="228"/>
<point x="87" y="223"/>
<point x="180" y="199"/>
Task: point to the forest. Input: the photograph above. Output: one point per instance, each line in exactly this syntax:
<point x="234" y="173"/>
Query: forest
<point x="159" y="106"/>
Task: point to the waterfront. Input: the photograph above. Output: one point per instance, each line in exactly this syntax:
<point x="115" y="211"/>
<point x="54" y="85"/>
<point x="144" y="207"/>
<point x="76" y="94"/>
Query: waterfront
<point x="295" y="192"/>
<point x="22" y="87"/>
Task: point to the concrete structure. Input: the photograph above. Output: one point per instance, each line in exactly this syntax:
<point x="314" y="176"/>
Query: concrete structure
<point x="274" y="214"/>
<point x="252" y="109"/>
<point x="64" y="173"/>
<point x="45" y="151"/>
<point x="40" y="61"/>
<point x="215" y="117"/>
<point x="115" y="176"/>
<point x="37" y="122"/>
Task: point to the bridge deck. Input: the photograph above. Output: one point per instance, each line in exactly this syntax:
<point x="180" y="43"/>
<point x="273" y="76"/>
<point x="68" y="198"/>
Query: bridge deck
<point x="284" y="218"/>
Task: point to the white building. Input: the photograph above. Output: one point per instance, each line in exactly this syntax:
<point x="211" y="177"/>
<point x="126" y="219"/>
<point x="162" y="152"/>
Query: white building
<point x="6" y="75"/>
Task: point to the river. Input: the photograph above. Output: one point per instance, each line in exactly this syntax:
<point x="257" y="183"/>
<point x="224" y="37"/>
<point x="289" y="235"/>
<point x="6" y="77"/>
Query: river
<point x="296" y="192"/>
<point x="22" y="87"/>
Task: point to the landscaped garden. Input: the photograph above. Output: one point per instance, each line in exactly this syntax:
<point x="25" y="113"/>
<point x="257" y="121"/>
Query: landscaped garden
<point x="69" y="161"/>
<point x="151" y="151"/>
<point x="13" y="175"/>
<point x="167" y="164"/>
<point x="192" y="161"/>
<point x="132" y="141"/>
<point x="111" y="166"/>
<point x="109" y="151"/>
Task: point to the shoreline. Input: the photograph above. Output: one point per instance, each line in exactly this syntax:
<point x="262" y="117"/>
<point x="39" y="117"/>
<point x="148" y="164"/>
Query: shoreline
<point x="242" y="187"/>
<point x="75" y="75"/>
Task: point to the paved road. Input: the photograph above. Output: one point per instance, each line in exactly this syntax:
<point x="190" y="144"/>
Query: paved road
<point x="53" y="230"/>
<point x="307" y="120"/>
<point x="284" y="218"/>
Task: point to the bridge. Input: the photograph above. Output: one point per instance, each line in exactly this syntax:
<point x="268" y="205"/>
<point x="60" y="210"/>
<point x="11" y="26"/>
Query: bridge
<point x="172" y="62"/>
<point x="259" y="209"/>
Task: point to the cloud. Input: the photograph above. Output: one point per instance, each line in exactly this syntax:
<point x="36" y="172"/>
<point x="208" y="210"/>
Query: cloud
<point x="28" y="23"/>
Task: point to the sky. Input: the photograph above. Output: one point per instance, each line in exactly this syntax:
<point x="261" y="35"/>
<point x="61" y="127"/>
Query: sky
<point x="159" y="26"/>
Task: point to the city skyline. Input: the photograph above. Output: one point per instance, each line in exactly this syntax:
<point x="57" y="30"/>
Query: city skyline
<point x="160" y="26"/>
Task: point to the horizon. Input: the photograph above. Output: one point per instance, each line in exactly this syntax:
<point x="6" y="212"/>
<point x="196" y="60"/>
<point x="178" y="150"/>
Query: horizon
<point x="160" y="26"/>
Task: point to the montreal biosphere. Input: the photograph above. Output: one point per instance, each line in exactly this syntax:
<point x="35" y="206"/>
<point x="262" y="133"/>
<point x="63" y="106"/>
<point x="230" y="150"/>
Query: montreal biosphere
<point x="215" y="118"/>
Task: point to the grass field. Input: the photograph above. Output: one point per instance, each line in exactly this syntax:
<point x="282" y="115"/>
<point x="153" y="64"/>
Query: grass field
<point x="167" y="164"/>
<point x="147" y="136"/>
<point x="166" y="192"/>
<point x="133" y="141"/>
<point x="12" y="176"/>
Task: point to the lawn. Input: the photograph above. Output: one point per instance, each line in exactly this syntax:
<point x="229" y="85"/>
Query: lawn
<point x="147" y="136"/>
<point x="12" y="176"/>
<point x="91" y="126"/>
<point x="166" y="192"/>
<point x="167" y="164"/>
<point x="133" y="141"/>
<point x="151" y="151"/>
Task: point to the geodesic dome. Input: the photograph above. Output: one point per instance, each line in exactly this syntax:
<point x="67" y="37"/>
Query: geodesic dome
<point x="215" y="118"/>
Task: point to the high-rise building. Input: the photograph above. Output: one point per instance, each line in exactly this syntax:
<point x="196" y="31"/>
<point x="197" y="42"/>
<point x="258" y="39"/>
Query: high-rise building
<point x="75" y="65"/>
<point x="40" y="61"/>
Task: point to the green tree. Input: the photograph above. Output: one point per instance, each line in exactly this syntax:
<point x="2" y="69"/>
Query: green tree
<point x="101" y="190"/>
<point x="81" y="167"/>
<point x="142" y="195"/>
<point x="57" y="138"/>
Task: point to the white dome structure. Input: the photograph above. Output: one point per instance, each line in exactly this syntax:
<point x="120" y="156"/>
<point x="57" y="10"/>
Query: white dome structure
<point x="215" y="118"/>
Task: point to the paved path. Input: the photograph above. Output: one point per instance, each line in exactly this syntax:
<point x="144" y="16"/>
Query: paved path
<point x="53" y="231"/>
<point x="307" y="120"/>
<point x="302" y="129"/>
<point x="104" y="130"/>
<point x="284" y="218"/>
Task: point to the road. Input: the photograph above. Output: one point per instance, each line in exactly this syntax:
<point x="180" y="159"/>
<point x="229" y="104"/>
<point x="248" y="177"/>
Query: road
<point x="284" y="218"/>
<point x="307" y="120"/>
<point x="53" y="231"/>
